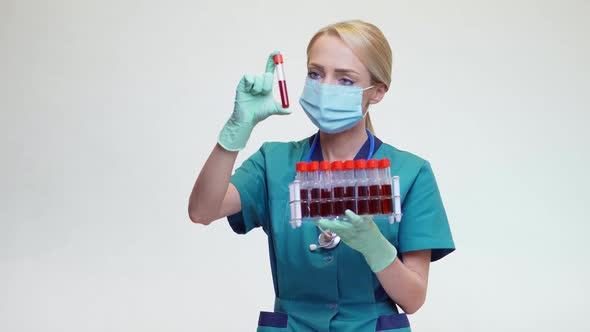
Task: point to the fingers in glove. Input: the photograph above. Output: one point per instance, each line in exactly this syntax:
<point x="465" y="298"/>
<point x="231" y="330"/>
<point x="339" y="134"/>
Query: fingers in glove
<point x="246" y="83"/>
<point x="334" y="225"/>
<point x="258" y="84"/>
<point x="267" y="84"/>
<point x="354" y="218"/>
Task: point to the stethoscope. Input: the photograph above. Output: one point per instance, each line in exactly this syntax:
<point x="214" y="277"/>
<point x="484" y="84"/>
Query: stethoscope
<point x="328" y="239"/>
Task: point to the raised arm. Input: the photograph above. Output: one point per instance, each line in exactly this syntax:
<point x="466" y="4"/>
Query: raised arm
<point x="213" y="196"/>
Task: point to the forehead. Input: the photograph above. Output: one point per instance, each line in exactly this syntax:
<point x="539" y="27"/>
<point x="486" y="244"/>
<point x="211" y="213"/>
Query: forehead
<point x="331" y="52"/>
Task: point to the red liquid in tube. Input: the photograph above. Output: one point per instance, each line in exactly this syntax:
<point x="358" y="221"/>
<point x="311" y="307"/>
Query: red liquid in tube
<point x="326" y="204"/>
<point x="363" y="200"/>
<point x="386" y="201"/>
<point x="304" y="203"/>
<point x="284" y="95"/>
<point x="339" y="205"/>
<point x="314" y="204"/>
<point x="349" y="199"/>
<point x="375" y="200"/>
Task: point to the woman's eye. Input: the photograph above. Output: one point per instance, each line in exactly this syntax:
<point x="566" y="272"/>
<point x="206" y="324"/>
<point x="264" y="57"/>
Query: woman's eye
<point x="346" y="81"/>
<point x="313" y="75"/>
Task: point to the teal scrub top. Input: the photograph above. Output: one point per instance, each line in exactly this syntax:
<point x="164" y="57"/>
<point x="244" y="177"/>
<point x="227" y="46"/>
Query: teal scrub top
<point x="334" y="290"/>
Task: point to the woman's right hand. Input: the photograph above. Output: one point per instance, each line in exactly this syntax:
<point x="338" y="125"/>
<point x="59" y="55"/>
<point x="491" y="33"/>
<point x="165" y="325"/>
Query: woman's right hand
<point x="254" y="102"/>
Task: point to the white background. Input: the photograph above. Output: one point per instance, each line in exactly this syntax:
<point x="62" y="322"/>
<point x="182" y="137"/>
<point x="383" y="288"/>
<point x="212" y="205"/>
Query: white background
<point x="108" y="110"/>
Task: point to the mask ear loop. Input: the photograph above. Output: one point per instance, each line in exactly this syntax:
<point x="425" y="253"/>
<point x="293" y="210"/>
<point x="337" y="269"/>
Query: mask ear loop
<point x="367" y="112"/>
<point x="365" y="115"/>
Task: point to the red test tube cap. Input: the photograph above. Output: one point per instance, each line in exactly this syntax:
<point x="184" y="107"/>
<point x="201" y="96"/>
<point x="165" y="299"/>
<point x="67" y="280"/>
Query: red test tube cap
<point x="384" y="163"/>
<point x="314" y="166"/>
<point x="372" y="163"/>
<point x="278" y="58"/>
<point x="349" y="164"/>
<point x="360" y="163"/>
<point x="301" y="166"/>
<point x="325" y="165"/>
<point x="337" y="165"/>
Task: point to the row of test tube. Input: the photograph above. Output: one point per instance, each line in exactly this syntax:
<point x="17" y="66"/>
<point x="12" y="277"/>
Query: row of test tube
<point x="324" y="189"/>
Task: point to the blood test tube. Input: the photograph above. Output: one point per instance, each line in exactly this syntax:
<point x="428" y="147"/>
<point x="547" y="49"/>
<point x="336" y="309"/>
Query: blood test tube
<point x="374" y="186"/>
<point x="338" y="188"/>
<point x="313" y="177"/>
<point x="362" y="186"/>
<point x="349" y="186"/>
<point x="385" y="180"/>
<point x="326" y="207"/>
<point x="278" y="59"/>
<point x="301" y="176"/>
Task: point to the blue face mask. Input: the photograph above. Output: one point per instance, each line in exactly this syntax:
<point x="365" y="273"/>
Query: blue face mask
<point x="332" y="108"/>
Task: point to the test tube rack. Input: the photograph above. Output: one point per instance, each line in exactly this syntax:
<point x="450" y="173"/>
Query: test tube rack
<point x="326" y="190"/>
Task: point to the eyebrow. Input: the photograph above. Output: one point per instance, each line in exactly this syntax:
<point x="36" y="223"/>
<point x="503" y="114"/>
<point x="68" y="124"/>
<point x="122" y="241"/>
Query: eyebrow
<point x="338" y="70"/>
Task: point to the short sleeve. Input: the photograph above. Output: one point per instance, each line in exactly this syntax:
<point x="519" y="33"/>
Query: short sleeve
<point x="424" y="223"/>
<point x="250" y="181"/>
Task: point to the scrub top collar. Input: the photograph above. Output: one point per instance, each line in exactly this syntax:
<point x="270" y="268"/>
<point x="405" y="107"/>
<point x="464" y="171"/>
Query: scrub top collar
<point x="316" y="152"/>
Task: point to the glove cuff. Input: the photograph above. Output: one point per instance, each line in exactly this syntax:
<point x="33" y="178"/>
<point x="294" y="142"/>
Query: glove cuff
<point x="380" y="254"/>
<point x="234" y="136"/>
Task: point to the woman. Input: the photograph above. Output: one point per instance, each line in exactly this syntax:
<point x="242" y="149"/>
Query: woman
<point x="355" y="286"/>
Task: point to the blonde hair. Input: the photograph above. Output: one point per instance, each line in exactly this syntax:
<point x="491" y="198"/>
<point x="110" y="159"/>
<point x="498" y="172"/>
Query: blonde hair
<point x="369" y="44"/>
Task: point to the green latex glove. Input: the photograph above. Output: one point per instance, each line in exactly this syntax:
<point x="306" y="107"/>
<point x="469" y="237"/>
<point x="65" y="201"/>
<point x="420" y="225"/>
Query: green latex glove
<point x="254" y="102"/>
<point x="363" y="235"/>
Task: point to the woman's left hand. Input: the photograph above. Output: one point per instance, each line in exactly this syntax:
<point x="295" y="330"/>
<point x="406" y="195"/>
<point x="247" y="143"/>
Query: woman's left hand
<point x="363" y="235"/>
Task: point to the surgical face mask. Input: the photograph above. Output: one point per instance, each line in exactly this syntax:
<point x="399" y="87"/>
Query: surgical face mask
<point x="332" y="108"/>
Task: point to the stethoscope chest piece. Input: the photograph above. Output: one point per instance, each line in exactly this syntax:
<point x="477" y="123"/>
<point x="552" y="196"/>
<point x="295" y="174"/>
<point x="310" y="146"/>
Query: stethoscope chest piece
<point x="326" y="240"/>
